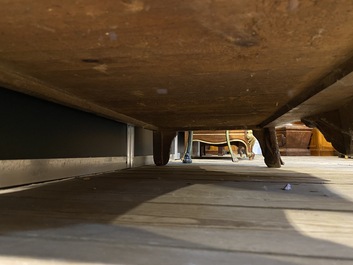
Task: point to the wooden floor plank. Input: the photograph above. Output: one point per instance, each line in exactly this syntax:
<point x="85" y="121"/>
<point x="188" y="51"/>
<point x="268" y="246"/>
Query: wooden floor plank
<point x="210" y="212"/>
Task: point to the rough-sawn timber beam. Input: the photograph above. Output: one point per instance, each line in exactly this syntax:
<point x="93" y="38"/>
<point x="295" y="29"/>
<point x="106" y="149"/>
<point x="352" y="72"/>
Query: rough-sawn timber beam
<point x="333" y="90"/>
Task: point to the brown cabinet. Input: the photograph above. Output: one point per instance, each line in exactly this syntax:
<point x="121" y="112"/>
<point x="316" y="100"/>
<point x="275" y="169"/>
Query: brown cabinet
<point x="293" y="139"/>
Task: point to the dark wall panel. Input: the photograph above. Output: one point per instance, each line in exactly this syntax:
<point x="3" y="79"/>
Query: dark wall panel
<point x="143" y="142"/>
<point x="32" y="128"/>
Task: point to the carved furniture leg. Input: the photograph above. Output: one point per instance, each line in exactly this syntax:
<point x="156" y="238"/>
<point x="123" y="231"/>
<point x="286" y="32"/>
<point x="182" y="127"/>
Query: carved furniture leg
<point x="234" y="159"/>
<point x="187" y="156"/>
<point x="162" y="141"/>
<point x="336" y="126"/>
<point x="269" y="146"/>
<point x="251" y="142"/>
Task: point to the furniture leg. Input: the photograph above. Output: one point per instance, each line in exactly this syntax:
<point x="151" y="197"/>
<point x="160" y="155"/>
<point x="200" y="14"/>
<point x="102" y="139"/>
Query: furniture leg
<point x="162" y="141"/>
<point x="336" y="126"/>
<point x="187" y="156"/>
<point x="269" y="146"/>
<point x="234" y="159"/>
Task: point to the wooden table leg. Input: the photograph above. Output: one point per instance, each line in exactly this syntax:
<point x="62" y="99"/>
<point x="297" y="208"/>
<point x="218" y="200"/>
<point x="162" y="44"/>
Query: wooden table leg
<point x="337" y="127"/>
<point x="269" y="146"/>
<point x="162" y="141"/>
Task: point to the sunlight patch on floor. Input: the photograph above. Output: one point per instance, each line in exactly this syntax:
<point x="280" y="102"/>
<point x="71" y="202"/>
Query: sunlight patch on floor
<point x="330" y="226"/>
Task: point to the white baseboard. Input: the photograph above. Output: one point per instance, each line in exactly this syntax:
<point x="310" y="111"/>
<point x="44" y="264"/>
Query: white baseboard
<point x="19" y="172"/>
<point x="175" y="156"/>
<point x="142" y="160"/>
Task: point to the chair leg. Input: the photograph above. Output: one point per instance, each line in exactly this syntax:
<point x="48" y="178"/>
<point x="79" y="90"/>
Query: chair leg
<point x="187" y="156"/>
<point x="234" y="159"/>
